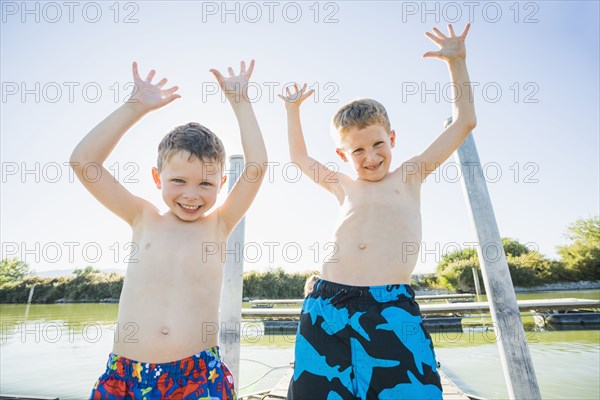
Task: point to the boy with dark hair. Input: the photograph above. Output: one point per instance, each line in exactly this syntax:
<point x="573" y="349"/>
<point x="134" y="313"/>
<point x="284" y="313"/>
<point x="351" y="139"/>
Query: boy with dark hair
<point x="173" y="289"/>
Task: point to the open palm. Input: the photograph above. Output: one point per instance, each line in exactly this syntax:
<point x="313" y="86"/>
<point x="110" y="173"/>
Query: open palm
<point x="451" y="47"/>
<point x="295" y="99"/>
<point x="235" y="86"/>
<point x="150" y="96"/>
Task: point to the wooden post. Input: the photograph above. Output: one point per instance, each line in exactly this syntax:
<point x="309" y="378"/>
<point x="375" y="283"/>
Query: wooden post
<point x="231" y="295"/>
<point x="517" y="365"/>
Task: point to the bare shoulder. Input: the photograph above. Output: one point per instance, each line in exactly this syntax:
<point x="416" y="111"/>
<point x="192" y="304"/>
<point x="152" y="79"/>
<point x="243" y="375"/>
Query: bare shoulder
<point x="169" y="228"/>
<point x="341" y="185"/>
<point x="217" y="225"/>
<point x="408" y="173"/>
<point x="148" y="213"/>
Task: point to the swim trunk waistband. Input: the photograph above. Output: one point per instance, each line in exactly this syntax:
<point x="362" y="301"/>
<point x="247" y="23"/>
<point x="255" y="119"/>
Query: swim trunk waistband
<point x="148" y="373"/>
<point x="380" y="294"/>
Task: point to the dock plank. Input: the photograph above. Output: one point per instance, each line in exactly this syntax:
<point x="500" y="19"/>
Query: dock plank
<point x="450" y="390"/>
<point x="418" y="298"/>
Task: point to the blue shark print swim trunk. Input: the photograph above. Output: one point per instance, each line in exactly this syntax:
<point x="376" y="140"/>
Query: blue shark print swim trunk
<point x="363" y="342"/>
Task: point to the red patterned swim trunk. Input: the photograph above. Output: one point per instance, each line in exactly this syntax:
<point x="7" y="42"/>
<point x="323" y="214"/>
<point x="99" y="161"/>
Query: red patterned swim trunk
<point x="202" y="375"/>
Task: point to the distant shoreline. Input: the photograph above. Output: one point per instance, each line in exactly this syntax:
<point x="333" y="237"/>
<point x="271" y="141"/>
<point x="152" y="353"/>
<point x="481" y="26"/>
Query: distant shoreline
<point x="581" y="285"/>
<point x="549" y="287"/>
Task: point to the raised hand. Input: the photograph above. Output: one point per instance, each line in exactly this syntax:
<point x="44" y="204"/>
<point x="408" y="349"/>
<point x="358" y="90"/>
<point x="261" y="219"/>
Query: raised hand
<point x="293" y="100"/>
<point x="147" y="96"/>
<point x="451" y="47"/>
<point x="235" y="86"/>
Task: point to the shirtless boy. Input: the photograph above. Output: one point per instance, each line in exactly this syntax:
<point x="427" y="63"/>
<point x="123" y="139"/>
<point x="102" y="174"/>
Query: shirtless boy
<point x="173" y="289"/>
<point x="361" y="333"/>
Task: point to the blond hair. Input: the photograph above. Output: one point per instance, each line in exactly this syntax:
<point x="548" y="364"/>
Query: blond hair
<point x="359" y="114"/>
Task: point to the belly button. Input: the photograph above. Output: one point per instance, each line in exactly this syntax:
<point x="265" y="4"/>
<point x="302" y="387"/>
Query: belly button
<point x="362" y="246"/>
<point x="165" y="331"/>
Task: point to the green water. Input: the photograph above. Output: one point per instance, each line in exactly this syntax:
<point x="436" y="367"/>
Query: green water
<point x="61" y="350"/>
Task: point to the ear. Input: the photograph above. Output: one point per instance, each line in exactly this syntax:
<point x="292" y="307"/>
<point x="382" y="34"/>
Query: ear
<point x="342" y="155"/>
<point x="156" y="177"/>
<point x="392" y="138"/>
<point x="223" y="180"/>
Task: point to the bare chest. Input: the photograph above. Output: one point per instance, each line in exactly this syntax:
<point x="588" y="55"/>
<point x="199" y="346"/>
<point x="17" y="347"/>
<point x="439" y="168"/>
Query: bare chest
<point x="381" y="208"/>
<point x="188" y="249"/>
<point x="377" y="236"/>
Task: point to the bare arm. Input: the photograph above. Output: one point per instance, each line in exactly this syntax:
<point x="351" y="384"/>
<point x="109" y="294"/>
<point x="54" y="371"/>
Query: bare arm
<point x="90" y="154"/>
<point x="319" y="173"/>
<point x="255" y="153"/>
<point x="452" y="51"/>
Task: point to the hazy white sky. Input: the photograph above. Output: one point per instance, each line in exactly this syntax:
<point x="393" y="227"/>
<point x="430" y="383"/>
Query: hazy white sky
<point x="66" y="65"/>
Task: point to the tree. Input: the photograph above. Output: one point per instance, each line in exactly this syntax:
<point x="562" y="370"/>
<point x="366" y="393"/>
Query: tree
<point x="86" y="272"/>
<point x="13" y="270"/>
<point x="527" y="267"/>
<point x="585" y="230"/>
<point x="582" y="256"/>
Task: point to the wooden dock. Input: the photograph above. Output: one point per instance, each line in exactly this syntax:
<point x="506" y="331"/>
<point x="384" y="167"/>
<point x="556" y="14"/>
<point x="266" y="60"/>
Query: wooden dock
<point x="450" y="308"/>
<point x="279" y="392"/>
<point x="447" y="297"/>
<point x="567" y="320"/>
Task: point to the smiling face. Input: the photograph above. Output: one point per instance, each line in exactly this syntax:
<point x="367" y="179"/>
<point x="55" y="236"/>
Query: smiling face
<point x="370" y="150"/>
<point x="189" y="185"/>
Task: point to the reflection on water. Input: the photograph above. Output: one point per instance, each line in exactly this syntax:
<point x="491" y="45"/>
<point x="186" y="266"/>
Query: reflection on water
<point x="62" y="349"/>
<point x="567" y="365"/>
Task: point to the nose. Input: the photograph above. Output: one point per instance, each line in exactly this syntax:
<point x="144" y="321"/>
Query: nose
<point x="191" y="194"/>
<point x="370" y="156"/>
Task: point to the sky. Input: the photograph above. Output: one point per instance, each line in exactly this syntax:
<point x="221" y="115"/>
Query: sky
<point x="64" y="66"/>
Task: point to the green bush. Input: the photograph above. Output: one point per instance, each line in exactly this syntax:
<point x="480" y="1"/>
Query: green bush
<point x="527" y="268"/>
<point x="426" y="281"/>
<point x="582" y="256"/>
<point x="458" y="275"/>
<point x="582" y="260"/>
<point x="92" y="285"/>
<point x="13" y="270"/>
<point x="274" y="284"/>
<point x="84" y="287"/>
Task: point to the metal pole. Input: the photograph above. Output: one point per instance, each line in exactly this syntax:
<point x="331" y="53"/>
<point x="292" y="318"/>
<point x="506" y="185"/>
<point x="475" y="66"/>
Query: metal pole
<point x="476" y="280"/>
<point x="515" y="358"/>
<point x="231" y="295"/>
<point x="29" y="302"/>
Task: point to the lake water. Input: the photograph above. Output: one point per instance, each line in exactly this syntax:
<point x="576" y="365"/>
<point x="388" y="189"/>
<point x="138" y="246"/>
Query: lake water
<point x="62" y="348"/>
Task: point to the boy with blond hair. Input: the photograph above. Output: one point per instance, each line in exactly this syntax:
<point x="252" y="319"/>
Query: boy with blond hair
<point x="361" y="334"/>
<point x="173" y="289"/>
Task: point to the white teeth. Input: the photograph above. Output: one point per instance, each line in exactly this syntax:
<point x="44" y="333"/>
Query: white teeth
<point x="189" y="207"/>
<point x="373" y="166"/>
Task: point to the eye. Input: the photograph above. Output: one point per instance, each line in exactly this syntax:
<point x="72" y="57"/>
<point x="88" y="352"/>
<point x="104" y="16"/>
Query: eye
<point x="378" y="143"/>
<point x="206" y="184"/>
<point x="177" y="180"/>
<point x="357" y="151"/>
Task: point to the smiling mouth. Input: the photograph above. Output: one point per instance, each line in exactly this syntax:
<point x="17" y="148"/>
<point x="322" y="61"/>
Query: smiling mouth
<point x="374" y="167"/>
<point x="189" y="208"/>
